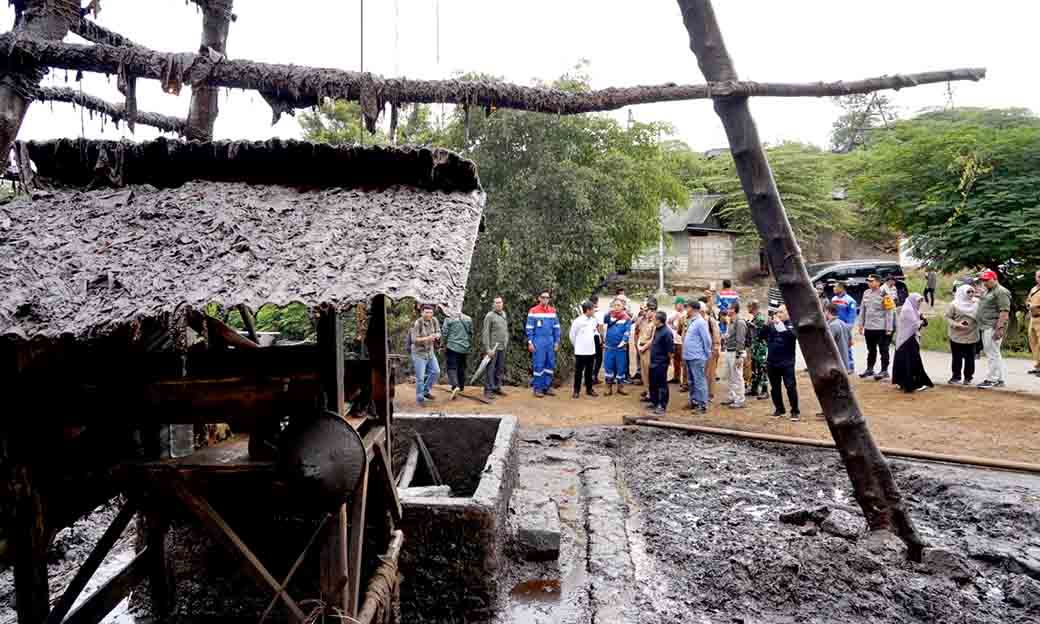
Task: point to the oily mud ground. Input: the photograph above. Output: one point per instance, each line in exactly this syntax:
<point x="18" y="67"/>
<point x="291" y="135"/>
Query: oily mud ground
<point x="709" y="545"/>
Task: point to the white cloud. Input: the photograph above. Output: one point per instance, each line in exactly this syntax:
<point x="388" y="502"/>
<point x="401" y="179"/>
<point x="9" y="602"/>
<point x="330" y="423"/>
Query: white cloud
<point x="627" y="43"/>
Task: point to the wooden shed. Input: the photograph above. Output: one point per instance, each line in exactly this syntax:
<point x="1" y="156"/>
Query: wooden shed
<point x="106" y="272"/>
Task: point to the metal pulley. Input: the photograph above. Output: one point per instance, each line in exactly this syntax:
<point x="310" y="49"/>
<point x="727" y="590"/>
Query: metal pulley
<point x="322" y="459"/>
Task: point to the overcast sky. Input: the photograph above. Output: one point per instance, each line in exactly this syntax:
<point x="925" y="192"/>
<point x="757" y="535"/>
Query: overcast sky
<point x="627" y="43"/>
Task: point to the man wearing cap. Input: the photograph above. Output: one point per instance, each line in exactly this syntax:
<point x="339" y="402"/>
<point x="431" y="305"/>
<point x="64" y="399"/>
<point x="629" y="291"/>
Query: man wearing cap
<point x="543" y="341"/>
<point x="677" y="323"/>
<point x="846" y="313"/>
<point x="876" y="323"/>
<point x="1033" y="309"/>
<point x="645" y="329"/>
<point x="994" y="309"/>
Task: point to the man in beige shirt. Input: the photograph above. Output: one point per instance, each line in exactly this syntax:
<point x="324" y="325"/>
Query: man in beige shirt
<point x="646" y="329"/>
<point x="1033" y="310"/>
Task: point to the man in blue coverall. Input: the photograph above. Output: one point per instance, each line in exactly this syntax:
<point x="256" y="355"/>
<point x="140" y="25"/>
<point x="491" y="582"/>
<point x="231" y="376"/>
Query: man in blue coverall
<point x="543" y="341"/>
<point x="847" y="313"/>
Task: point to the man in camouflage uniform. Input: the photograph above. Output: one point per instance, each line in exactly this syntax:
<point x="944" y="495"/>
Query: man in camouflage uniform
<point x="759" y="350"/>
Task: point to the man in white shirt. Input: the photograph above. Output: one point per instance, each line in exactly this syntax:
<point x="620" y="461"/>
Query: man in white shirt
<point x="584" y="330"/>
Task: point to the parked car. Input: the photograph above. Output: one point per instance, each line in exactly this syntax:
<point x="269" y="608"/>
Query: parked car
<point x="854" y="273"/>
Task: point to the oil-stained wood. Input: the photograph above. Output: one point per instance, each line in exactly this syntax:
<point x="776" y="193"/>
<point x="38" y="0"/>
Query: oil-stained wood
<point x="109" y="595"/>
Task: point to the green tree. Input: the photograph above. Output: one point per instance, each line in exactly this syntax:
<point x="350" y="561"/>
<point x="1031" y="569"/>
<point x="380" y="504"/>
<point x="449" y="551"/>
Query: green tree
<point x="964" y="185"/>
<point x="805" y="175"/>
<point x="862" y="113"/>
<point x="339" y="123"/>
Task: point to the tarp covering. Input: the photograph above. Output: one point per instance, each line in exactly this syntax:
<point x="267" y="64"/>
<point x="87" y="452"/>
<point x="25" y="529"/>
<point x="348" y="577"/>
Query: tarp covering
<point x="169" y="228"/>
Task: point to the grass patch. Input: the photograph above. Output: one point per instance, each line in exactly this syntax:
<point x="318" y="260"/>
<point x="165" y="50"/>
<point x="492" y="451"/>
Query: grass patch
<point x="935" y="338"/>
<point x="915" y="283"/>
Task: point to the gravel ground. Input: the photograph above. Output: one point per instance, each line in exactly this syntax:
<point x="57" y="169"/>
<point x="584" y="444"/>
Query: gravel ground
<point x="710" y="546"/>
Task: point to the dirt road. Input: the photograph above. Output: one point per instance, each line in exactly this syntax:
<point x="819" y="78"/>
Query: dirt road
<point x="946" y="419"/>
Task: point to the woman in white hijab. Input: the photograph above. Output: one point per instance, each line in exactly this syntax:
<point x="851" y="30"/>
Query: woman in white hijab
<point x="963" y="330"/>
<point x="907" y="368"/>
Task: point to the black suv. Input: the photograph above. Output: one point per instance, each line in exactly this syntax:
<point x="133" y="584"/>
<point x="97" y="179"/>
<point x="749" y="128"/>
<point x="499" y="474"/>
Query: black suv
<point x="854" y="273"/>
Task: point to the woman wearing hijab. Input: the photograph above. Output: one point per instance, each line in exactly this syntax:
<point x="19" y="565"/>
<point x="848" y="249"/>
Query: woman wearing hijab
<point x="907" y="368"/>
<point x="963" y="330"/>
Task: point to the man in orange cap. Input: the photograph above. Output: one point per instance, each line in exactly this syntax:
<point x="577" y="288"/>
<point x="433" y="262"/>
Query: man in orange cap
<point x="994" y="309"/>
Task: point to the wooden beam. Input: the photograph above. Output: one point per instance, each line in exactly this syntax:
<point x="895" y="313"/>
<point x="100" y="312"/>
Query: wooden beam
<point x="218" y="529"/>
<point x="382" y="585"/>
<point x="202" y="113"/>
<point x="293" y="86"/>
<point x="874" y="488"/>
<point x="115" y="111"/>
<point x="94" y="32"/>
<point x="376" y="340"/>
<point x="249" y="321"/>
<point x="29" y="541"/>
<point x="355" y="548"/>
<point x="94" y="560"/>
<point x="330" y="359"/>
<point x="108" y="596"/>
<point x="435" y="475"/>
<point x="404" y="479"/>
<point x="385" y="476"/>
<point x="161" y="583"/>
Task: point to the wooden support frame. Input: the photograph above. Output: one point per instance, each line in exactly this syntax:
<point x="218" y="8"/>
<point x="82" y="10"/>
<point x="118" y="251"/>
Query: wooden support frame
<point x="109" y="595"/>
<point x="378" y="349"/>
<point x="218" y="529"/>
<point x="94" y="560"/>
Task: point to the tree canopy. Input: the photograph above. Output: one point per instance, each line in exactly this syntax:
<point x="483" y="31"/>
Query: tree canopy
<point x="963" y="185"/>
<point x="570" y="199"/>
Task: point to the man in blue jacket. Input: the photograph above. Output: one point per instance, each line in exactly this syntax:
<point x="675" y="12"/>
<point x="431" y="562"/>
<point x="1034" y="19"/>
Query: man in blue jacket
<point x="543" y="341"/>
<point x="847" y="313"/>
<point x="697" y="348"/>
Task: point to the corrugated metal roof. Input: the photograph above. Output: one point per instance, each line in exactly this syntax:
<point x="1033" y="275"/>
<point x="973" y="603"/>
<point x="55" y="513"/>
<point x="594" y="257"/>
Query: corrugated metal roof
<point x="83" y="262"/>
<point x="694" y="214"/>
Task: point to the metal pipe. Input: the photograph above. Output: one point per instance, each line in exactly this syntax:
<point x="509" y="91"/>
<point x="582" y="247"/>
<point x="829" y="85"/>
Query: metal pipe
<point x="967" y="460"/>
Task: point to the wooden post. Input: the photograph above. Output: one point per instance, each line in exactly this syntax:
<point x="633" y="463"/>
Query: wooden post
<point x="334" y="556"/>
<point x="872" y="482"/>
<point x="29" y="543"/>
<point x="40" y="19"/>
<point x="376" y="339"/>
<point x="161" y="584"/>
<point x="202" y="114"/>
<point x="357" y="542"/>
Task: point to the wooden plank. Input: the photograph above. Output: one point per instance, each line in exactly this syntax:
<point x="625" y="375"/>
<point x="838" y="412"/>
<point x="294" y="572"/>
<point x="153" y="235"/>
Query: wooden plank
<point x="109" y="595"/>
<point x="410" y="464"/>
<point x="249" y="321"/>
<point x="223" y="534"/>
<point x="385" y="476"/>
<point x="356" y="544"/>
<point x="29" y="541"/>
<point x="96" y="557"/>
<point x="334" y="556"/>
<point x="435" y="476"/>
<point x="376" y="343"/>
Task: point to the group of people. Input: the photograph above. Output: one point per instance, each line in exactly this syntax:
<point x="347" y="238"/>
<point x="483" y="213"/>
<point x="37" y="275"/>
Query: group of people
<point x="757" y="349"/>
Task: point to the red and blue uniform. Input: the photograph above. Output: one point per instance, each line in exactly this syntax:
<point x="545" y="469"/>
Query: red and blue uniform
<point x="723" y="300"/>
<point x="615" y="357"/>
<point x="543" y="331"/>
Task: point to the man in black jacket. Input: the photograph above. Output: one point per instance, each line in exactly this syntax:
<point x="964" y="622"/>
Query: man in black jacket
<point x="660" y="357"/>
<point x="779" y="335"/>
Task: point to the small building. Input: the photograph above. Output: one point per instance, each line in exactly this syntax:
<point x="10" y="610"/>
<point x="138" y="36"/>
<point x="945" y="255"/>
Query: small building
<point x="697" y="243"/>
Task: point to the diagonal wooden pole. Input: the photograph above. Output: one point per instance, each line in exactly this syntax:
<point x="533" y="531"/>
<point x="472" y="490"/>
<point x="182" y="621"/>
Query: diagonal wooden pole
<point x="872" y="482"/>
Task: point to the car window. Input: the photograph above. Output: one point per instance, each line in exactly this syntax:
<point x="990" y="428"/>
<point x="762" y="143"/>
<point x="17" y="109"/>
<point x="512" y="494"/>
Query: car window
<point x="864" y="272"/>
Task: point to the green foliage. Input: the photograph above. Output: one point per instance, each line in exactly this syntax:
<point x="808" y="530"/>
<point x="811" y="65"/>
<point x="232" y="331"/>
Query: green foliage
<point x="862" y="113"/>
<point x="964" y="185"/>
<point x="293" y="321"/>
<point x="339" y="123"/>
<point x="805" y="177"/>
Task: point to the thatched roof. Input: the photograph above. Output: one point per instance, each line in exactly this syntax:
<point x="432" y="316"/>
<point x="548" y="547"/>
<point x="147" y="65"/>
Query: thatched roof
<point x="133" y="231"/>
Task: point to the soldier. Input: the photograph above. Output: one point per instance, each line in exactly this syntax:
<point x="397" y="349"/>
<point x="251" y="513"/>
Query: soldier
<point x="645" y="329"/>
<point x="759" y="350"/>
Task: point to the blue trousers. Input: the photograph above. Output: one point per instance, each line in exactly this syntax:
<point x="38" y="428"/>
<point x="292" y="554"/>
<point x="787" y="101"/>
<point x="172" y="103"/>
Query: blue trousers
<point x="544" y="364"/>
<point x="427" y="370"/>
<point x="698" y="382"/>
<point x="615" y="365"/>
